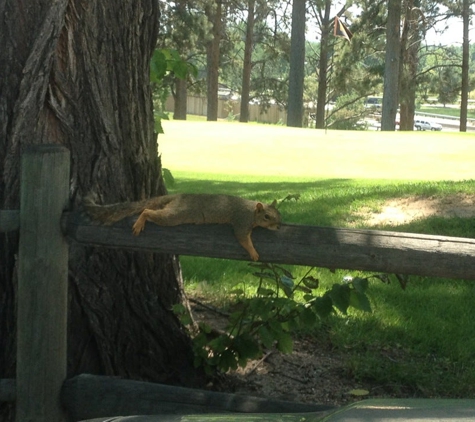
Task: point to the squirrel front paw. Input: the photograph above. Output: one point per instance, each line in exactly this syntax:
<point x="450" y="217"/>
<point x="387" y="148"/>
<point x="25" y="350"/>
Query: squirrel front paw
<point x="138" y="227"/>
<point x="254" y="255"/>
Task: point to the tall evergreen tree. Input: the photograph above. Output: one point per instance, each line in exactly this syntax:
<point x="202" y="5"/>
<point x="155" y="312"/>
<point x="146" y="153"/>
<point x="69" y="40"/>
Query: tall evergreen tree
<point x="247" y="64"/>
<point x="466" y="13"/>
<point x="325" y="30"/>
<point x="297" y="61"/>
<point x="391" y="71"/>
<point x="214" y="12"/>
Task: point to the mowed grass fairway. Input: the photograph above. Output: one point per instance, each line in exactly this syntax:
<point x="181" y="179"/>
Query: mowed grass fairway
<point x="276" y="151"/>
<point x="416" y="342"/>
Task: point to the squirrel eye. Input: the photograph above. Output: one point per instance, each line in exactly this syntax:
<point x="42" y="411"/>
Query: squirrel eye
<point x="266" y="217"/>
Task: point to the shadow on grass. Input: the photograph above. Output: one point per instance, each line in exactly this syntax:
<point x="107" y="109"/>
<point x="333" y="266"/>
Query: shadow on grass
<point x="325" y="202"/>
<point x="420" y="341"/>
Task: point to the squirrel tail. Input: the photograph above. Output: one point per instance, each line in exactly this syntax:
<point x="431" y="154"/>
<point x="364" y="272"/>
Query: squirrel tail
<point x="110" y="214"/>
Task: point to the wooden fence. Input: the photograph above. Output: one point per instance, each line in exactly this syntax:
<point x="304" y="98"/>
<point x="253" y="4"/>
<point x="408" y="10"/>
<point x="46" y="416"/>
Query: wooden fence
<point x="41" y="390"/>
<point x="231" y="108"/>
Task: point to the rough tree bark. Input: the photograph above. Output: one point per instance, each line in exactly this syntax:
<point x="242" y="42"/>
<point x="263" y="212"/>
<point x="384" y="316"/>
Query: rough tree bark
<point x="297" y="62"/>
<point x="214" y="13"/>
<point x="409" y="62"/>
<point x="180" y="91"/>
<point x="180" y="95"/>
<point x="247" y="65"/>
<point x="323" y="67"/>
<point x="77" y="73"/>
<point x="391" y="70"/>
<point x="465" y="65"/>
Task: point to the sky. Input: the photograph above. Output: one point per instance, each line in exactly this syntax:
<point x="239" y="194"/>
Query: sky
<point x="452" y="36"/>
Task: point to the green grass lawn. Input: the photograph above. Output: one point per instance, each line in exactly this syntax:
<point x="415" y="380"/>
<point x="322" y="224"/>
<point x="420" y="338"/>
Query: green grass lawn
<point x="448" y="111"/>
<point x="274" y="151"/>
<point x="421" y="339"/>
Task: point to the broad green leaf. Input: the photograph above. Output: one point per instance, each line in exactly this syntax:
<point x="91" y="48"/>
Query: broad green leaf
<point x="175" y="55"/>
<point x="193" y="70"/>
<point x="246" y="347"/>
<point x="179" y="309"/>
<point x="304" y="289"/>
<point x="360" y="284"/>
<point x="340" y="295"/>
<point x="285" y="271"/>
<point x="186" y="319"/>
<point x="219" y="344"/>
<point x="323" y="306"/>
<point x="287" y="285"/>
<point x="180" y="69"/>
<point x="168" y="177"/>
<point x="360" y="301"/>
<point x="227" y="360"/>
<point x="276" y="328"/>
<point x="158" y="66"/>
<point x="308" y="318"/>
<point x="311" y="282"/>
<point x="200" y="341"/>
<point x="266" y="337"/>
<point x="285" y="343"/>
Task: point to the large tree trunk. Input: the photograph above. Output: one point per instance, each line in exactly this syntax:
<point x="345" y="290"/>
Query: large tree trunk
<point x="247" y="65"/>
<point x="323" y="68"/>
<point x="77" y="74"/>
<point x="465" y="66"/>
<point x="408" y="66"/>
<point x="180" y="97"/>
<point x="391" y="70"/>
<point x="297" y="62"/>
<point x="214" y="13"/>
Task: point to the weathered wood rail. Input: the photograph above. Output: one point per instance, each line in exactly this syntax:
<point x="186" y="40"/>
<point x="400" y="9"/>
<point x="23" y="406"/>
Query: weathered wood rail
<point x="328" y="247"/>
<point x="370" y="250"/>
<point x="42" y="288"/>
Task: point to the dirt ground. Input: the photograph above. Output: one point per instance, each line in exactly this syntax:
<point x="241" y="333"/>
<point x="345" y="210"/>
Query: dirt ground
<point x="315" y="372"/>
<point x="405" y="210"/>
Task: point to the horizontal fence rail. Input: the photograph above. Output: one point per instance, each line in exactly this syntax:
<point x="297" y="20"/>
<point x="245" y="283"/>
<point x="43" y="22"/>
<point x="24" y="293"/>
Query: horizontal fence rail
<point x="370" y="250"/>
<point x="328" y="247"/>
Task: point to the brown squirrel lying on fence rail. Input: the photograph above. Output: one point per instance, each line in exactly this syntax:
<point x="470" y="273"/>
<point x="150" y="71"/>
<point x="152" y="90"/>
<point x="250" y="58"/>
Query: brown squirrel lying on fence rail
<point x="172" y="210"/>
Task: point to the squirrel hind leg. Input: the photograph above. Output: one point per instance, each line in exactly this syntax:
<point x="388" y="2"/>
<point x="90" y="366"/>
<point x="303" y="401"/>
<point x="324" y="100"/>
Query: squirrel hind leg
<point x="160" y="217"/>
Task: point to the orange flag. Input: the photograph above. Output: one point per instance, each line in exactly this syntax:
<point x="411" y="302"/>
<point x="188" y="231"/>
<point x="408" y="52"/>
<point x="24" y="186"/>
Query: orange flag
<point x="341" y="30"/>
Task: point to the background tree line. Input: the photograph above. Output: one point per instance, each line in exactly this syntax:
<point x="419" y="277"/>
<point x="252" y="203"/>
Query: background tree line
<point x="285" y="53"/>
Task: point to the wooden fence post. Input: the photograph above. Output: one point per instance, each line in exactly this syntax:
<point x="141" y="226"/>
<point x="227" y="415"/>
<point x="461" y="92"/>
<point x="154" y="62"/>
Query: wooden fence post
<point x="42" y="285"/>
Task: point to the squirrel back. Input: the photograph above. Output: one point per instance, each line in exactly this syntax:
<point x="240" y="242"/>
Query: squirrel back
<point x="171" y="210"/>
<point x="194" y="209"/>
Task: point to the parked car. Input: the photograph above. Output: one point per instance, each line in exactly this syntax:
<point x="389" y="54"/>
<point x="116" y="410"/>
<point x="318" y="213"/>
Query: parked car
<point x="435" y="126"/>
<point x="420" y="124"/>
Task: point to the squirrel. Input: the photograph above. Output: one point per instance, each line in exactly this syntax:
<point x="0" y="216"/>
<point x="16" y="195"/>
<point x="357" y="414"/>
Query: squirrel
<point x="172" y="210"/>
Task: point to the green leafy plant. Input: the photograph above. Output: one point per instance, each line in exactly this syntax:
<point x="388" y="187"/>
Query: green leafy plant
<point x="168" y="177"/>
<point x="164" y="64"/>
<point x="281" y="306"/>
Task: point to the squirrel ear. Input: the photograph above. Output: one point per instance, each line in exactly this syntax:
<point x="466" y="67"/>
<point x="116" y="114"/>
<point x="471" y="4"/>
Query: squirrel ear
<point x="259" y="206"/>
<point x="274" y="204"/>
